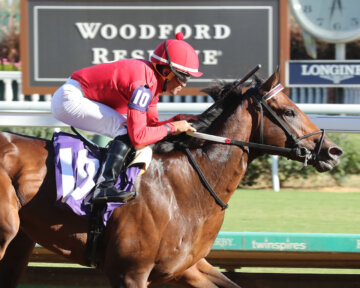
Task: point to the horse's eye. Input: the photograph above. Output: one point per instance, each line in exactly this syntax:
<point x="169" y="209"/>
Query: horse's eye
<point x="289" y="113"/>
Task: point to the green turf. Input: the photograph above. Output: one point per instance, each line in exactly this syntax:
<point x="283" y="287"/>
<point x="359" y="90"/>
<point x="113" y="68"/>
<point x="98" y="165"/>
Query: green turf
<point x="293" y="211"/>
<point x="47" y="286"/>
<point x="298" y="270"/>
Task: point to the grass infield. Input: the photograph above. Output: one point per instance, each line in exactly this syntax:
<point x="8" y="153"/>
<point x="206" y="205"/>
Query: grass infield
<point x="293" y="211"/>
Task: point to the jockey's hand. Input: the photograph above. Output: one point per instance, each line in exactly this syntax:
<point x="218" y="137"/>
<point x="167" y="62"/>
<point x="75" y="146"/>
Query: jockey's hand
<point x="186" y="117"/>
<point x="182" y="126"/>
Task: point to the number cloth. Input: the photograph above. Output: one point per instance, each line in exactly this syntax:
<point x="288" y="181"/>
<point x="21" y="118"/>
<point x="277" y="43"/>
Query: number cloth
<point x="76" y="169"/>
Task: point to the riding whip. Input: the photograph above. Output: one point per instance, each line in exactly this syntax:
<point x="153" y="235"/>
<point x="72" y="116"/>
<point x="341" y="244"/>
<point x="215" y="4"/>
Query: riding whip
<point x="235" y="84"/>
<point x="229" y="141"/>
<point x="246" y="77"/>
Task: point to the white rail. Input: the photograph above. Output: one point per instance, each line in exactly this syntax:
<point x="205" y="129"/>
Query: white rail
<point x="339" y="109"/>
<point x="8" y="77"/>
<point x="39" y="114"/>
<point x="35" y="113"/>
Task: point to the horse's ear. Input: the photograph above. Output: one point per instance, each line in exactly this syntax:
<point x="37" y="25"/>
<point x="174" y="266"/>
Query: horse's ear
<point x="272" y="81"/>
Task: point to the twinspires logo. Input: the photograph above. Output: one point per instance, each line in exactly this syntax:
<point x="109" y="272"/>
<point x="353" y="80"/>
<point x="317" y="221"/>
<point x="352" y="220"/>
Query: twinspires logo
<point x="281" y="246"/>
<point x="318" y="73"/>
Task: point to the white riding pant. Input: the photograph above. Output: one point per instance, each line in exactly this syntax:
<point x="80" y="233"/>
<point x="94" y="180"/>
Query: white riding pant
<point x="70" y="106"/>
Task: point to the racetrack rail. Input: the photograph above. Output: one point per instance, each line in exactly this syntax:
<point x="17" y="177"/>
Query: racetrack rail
<point x="233" y="250"/>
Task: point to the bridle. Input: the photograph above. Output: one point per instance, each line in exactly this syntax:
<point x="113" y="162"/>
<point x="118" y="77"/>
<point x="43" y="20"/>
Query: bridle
<point x="261" y="101"/>
<point x="299" y="150"/>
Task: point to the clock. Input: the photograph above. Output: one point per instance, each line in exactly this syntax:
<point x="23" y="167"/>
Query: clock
<point x="334" y="21"/>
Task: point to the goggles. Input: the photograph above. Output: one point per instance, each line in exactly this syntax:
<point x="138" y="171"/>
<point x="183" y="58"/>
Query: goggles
<point x="183" y="77"/>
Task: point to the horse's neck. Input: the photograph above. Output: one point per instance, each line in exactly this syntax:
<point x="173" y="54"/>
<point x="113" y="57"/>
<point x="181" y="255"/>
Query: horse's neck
<point x="227" y="163"/>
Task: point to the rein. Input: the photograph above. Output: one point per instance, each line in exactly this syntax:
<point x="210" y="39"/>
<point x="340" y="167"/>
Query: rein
<point x="297" y="149"/>
<point x="204" y="181"/>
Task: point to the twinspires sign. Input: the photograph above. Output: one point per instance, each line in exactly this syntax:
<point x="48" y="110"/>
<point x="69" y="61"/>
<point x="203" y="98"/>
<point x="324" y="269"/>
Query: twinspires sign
<point x="330" y="73"/>
<point x="64" y="36"/>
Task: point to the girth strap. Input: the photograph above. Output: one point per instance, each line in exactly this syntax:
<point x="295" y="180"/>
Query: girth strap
<point x="204" y="181"/>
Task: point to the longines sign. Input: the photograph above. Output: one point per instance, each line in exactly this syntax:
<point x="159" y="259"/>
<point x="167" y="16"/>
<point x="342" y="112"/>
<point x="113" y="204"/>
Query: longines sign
<point x="329" y="73"/>
<point x="63" y="36"/>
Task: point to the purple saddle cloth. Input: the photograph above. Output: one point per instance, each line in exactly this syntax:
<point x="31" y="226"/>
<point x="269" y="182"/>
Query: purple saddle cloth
<point x="76" y="171"/>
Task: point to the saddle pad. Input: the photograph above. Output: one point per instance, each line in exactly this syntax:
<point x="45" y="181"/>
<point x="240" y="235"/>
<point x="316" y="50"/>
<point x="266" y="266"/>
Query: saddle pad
<point x="76" y="170"/>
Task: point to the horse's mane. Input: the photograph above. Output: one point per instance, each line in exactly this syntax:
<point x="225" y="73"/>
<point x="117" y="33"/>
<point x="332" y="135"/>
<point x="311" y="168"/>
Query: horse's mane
<point x="227" y="96"/>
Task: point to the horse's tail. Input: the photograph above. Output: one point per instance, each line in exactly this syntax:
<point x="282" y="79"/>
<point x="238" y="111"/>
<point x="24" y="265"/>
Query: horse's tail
<point x="8" y="151"/>
<point x="9" y="202"/>
<point x="23" y="159"/>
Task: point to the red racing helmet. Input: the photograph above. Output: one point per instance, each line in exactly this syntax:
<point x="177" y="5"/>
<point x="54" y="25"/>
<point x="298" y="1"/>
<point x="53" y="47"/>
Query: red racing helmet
<point x="178" y="54"/>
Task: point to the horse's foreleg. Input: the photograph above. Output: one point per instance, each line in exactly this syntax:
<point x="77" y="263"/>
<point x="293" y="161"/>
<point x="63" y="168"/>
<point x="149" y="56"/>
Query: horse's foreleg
<point x="215" y="275"/>
<point x="15" y="260"/>
<point x="130" y="279"/>
<point x="9" y="217"/>
<point x="204" y="275"/>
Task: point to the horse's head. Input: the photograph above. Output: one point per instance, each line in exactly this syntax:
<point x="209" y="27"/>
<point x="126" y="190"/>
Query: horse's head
<point x="285" y="125"/>
<point x="272" y="119"/>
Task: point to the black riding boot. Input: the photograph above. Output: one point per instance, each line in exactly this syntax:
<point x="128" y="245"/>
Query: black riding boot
<point x="110" y="171"/>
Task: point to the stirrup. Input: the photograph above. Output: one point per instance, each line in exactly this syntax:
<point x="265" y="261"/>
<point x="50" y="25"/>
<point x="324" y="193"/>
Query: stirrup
<point x="115" y="198"/>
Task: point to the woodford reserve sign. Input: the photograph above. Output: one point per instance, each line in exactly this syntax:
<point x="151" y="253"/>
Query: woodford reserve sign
<point x="59" y="37"/>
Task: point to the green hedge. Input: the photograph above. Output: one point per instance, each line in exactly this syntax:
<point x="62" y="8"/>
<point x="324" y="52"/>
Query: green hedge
<point x="43" y="132"/>
<point x="8" y="67"/>
<point x="260" y="169"/>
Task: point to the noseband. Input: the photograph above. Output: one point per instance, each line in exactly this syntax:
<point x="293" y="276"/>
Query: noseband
<point x="298" y="149"/>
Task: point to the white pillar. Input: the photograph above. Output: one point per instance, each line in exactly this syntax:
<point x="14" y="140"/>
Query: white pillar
<point x="294" y="95"/>
<point x="48" y="97"/>
<point x="310" y="98"/>
<point x="35" y="97"/>
<point x="275" y="173"/>
<point x="302" y="98"/>
<point x="188" y="99"/>
<point x="8" y="92"/>
<point x="20" y="95"/>
<point x="340" y="51"/>
<point x="317" y="95"/>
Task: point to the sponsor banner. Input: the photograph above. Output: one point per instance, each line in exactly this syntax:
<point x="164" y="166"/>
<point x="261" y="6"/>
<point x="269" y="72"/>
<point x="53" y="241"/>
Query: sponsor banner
<point x="64" y="36"/>
<point x="282" y="242"/>
<point x="324" y="73"/>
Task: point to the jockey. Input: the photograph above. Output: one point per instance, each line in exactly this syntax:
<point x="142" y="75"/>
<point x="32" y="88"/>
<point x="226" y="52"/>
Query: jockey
<point x="119" y="100"/>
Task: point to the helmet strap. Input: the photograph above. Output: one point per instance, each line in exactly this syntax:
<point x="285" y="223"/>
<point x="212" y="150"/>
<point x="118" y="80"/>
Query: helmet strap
<point x="181" y="77"/>
<point x="165" y="78"/>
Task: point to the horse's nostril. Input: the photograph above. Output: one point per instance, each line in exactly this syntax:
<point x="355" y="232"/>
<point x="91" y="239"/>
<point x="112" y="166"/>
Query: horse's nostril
<point x="335" y="151"/>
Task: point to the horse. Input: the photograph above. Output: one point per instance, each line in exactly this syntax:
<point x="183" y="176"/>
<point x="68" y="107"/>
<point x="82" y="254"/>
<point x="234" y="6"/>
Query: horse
<point x="165" y="234"/>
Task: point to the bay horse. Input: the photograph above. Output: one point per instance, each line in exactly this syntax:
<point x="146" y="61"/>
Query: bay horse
<point x="164" y="235"/>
